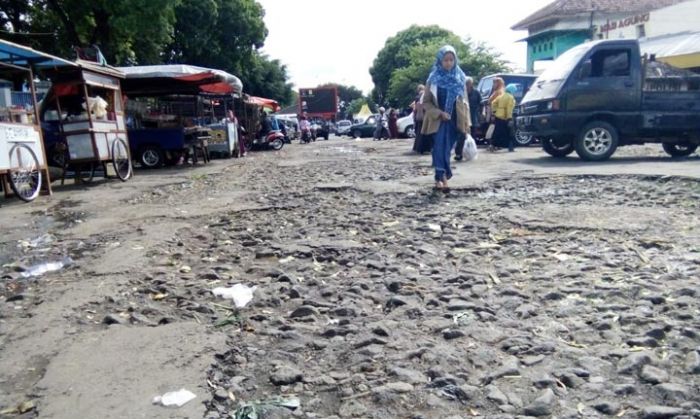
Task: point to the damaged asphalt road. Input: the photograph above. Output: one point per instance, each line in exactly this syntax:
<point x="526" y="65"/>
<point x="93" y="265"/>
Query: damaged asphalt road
<point x="536" y="288"/>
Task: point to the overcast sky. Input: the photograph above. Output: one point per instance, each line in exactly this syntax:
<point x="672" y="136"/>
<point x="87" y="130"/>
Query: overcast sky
<point x="333" y="41"/>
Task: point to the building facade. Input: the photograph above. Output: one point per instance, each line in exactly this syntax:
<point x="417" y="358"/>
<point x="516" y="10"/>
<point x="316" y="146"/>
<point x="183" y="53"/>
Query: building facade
<point x="669" y="29"/>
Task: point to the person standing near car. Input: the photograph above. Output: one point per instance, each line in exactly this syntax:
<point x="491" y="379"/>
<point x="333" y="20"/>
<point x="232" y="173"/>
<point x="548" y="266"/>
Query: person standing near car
<point x="503" y="107"/>
<point x="474" y="98"/>
<point x="446" y="111"/>
<point x="474" y="104"/>
<point x="418" y="112"/>
<point x="393" y="124"/>
<point x="382" y="130"/>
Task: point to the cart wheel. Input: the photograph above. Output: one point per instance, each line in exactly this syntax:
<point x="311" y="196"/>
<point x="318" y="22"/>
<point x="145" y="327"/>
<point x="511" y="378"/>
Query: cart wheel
<point x="86" y="172"/>
<point x="25" y="174"/>
<point x="121" y="159"/>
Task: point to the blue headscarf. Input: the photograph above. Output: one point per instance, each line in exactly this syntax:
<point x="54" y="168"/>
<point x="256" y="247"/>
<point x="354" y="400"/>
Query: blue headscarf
<point x="512" y="89"/>
<point x="453" y="81"/>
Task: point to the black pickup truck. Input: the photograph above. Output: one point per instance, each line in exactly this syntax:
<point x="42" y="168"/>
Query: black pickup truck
<point x="604" y="94"/>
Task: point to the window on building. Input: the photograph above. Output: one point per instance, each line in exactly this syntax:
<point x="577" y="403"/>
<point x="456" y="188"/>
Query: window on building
<point x="551" y="45"/>
<point x="608" y="63"/>
<point x="641" y="31"/>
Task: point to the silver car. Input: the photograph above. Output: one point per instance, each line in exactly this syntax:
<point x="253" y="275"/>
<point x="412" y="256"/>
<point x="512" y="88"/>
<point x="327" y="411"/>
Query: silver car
<point x="343" y="127"/>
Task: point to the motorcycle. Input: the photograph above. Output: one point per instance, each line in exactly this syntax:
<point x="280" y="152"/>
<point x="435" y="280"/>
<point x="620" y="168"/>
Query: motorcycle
<point x="273" y="140"/>
<point x="306" y="136"/>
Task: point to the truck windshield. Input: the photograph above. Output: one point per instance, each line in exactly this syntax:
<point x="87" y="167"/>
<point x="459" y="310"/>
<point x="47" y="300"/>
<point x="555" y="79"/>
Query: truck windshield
<point x="562" y="67"/>
<point x="548" y="83"/>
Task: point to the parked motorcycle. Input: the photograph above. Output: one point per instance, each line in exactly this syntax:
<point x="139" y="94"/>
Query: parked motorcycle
<point x="273" y="140"/>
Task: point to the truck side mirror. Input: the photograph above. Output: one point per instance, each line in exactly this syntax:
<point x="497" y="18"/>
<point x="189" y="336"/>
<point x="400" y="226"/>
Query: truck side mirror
<point x="585" y="71"/>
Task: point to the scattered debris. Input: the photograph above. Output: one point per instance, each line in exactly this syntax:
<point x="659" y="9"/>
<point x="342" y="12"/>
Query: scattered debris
<point x="175" y="398"/>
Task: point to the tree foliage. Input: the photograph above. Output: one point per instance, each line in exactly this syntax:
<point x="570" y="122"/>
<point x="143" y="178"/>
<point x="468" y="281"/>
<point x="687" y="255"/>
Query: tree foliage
<point x="356" y="105"/>
<point x="397" y="54"/>
<point x="222" y="34"/>
<point x="127" y="31"/>
<point x="407" y="58"/>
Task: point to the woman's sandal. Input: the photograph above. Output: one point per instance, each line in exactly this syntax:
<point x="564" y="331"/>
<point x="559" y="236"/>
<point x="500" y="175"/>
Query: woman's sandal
<point x="445" y="187"/>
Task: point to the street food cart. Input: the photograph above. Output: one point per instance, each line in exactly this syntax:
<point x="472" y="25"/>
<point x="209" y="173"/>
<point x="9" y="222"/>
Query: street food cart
<point x="23" y="166"/>
<point x="83" y="121"/>
<point x="177" y="112"/>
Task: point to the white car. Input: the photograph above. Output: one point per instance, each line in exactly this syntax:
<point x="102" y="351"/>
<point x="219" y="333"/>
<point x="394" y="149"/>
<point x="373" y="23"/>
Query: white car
<point x="343" y="127"/>
<point x="406" y="127"/>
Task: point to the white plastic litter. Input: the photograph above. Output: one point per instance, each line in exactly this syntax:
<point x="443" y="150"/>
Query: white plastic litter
<point x="239" y="293"/>
<point x="42" y="268"/>
<point x="470" y="151"/>
<point x="175" y="398"/>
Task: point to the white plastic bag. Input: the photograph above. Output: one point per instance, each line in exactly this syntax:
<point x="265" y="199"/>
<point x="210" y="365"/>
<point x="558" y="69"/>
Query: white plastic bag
<point x="239" y="293"/>
<point x="490" y="131"/>
<point x="470" y="152"/>
<point x="175" y="398"/>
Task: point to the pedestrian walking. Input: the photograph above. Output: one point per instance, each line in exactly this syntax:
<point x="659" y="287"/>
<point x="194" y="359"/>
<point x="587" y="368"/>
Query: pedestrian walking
<point x="446" y="108"/>
<point x="382" y="129"/>
<point x="474" y="99"/>
<point x="503" y="107"/>
<point x="419" y="145"/>
<point x="393" y="124"/>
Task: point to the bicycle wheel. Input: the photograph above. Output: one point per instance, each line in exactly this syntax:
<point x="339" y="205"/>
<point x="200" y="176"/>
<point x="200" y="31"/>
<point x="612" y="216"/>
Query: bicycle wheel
<point x="121" y="159"/>
<point x="25" y="174"/>
<point x="85" y="172"/>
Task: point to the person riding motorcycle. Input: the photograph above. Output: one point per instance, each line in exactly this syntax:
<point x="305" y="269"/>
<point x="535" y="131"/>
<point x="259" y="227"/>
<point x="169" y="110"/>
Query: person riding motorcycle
<point x="305" y="128"/>
<point x="265" y="124"/>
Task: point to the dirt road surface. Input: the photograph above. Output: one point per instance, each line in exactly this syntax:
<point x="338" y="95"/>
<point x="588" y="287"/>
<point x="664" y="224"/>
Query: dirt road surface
<point x="535" y="288"/>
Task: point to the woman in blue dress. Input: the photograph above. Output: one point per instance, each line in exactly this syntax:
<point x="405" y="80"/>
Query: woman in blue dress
<point x="446" y="111"/>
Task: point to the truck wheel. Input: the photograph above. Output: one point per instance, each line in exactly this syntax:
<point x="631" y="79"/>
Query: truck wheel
<point x="554" y="150"/>
<point x="151" y="157"/>
<point x="597" y="141"/>
<point x="679" y="150"/>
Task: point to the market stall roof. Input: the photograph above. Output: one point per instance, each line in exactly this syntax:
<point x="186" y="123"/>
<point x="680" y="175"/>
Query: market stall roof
<point x="21" y="56"/>
<point x="270" y="104"/>
<point x="179" y="79"/>
<point x="680" y="50"/>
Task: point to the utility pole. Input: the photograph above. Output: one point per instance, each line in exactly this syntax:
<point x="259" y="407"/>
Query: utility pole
<point x="590" y="24"/>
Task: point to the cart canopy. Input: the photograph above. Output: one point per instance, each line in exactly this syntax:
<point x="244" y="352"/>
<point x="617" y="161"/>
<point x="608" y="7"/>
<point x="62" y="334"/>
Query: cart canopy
<point x="178" y="79"/>
<point x="268" y="104"/>
<point x="21" y="56"/>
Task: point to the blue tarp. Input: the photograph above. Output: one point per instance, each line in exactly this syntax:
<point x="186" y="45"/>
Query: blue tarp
<point x="22" y="56"/>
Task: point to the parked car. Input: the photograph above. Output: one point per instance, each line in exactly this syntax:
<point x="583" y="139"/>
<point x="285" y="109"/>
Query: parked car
<point x="406" y="127"/>
<point x="523" y="82"/>
<point x="343" y="127"/>
<point x="599" y="96"/>
<point x="366" y="128"/>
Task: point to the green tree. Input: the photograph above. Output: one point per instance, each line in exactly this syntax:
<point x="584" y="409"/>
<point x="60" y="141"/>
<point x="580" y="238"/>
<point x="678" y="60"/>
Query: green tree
<point x="396" y="54"/>
<point x="357" y="104"/>
<point x="476" y="60"/>
<point x="268" y="78"/>
<point x="223" y="34"/>
<point x="127" y="31"/>
<point x="226" y="34"/>
<point x="408" y="64"/>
